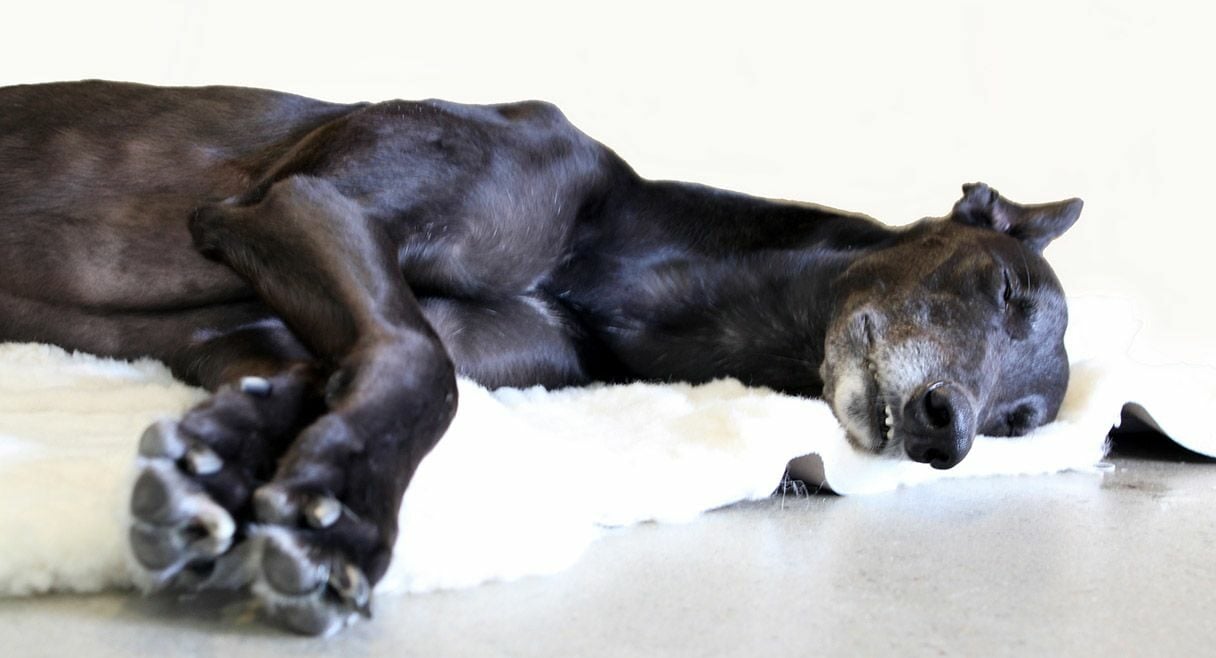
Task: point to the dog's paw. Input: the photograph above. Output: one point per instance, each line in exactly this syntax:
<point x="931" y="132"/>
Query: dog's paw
<point x="316" y="559"/>
<point x="177" y="530"/>
<point x="191" y="500"/>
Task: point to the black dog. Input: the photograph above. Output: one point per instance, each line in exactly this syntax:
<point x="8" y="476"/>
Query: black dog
<point x="359" y="256"/>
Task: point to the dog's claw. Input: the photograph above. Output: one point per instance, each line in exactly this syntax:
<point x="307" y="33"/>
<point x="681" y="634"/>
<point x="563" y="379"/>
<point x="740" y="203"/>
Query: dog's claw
<point x="161" y="440"/>
<point x="323" y="512"/>
<point x="350" y="583"/>
<point x="216" y="523"/>
<point x="257" y="386"/>
<point x="271" y="504"/>
<point x="201" y="460"/>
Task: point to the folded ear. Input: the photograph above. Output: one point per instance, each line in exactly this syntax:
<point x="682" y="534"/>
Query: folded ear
<point x="1035" y="225"/>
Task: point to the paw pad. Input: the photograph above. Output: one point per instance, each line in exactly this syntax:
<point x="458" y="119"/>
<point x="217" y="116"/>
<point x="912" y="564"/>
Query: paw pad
<point x="309" y="590"/>
<point x="161" y="440"/>
<point x="174" y="524"/>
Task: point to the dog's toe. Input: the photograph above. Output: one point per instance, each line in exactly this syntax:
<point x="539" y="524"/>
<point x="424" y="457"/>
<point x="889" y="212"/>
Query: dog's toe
<point x="155" y="549"/>
<point x="174" y="525"/>
<point x="308" y="589"/>
<point x="162" y="440"/>
<point x="158" y="496"/>
<point x="288" y="569"/>
<point x="310" y="579"/>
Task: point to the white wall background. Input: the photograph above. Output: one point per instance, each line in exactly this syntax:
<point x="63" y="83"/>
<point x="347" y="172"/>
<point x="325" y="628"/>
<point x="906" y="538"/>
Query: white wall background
<point x="880" y="107"/>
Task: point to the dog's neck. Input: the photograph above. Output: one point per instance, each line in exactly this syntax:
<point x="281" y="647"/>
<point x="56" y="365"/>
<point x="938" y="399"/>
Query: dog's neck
<point x="709" y="283"/>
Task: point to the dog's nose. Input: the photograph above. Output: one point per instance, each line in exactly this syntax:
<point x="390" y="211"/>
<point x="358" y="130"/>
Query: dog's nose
<point x="939" y="425"/>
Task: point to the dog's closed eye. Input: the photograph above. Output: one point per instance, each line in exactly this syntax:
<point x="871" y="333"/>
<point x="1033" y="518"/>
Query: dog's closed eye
<point x="1018" y="308"/>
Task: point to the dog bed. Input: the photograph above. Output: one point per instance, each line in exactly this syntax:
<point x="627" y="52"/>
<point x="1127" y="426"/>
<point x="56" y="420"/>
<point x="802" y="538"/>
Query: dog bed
<point x="525" y="479"/>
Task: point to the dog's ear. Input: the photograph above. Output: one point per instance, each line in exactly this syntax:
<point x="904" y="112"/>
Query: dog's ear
<point x="1035" y="225"/>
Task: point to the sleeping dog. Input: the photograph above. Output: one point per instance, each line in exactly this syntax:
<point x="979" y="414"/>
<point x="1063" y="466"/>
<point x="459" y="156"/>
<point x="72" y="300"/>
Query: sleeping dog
<point x="327" y="270"/>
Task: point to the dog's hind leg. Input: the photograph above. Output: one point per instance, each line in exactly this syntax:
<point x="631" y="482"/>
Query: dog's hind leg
<point x="329" y="513"/>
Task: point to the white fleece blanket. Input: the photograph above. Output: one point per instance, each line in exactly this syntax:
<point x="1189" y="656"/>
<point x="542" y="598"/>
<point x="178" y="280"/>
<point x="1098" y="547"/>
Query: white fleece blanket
<point x="526" y="479"/>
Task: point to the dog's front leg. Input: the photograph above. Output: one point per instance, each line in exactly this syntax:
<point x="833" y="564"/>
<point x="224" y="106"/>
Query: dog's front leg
<point x="329" y="514"/>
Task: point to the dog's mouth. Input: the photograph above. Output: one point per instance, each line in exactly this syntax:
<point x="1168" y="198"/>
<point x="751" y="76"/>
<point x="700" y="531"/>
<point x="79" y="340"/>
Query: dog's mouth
<point x="882" y="414"/>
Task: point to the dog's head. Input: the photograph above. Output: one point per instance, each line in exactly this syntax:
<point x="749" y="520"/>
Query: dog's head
<point x="954" y="328"/>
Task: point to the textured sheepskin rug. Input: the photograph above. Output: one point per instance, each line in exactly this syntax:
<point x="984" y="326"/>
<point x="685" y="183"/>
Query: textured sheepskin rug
<point x="525" y="479"/>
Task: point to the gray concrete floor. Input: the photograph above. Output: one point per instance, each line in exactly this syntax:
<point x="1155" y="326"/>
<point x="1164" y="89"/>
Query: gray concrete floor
<point x="1072" y="564"/>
